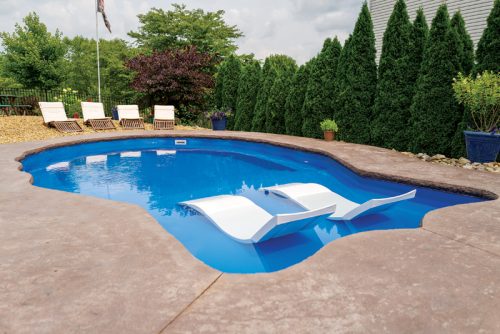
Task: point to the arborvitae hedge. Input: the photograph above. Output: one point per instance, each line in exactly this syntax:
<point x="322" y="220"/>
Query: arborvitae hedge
<point x="320" y="88"/>
<point x="295" y="101"/>
<point x="219" y="83"/>
<point x="275" y="109"/>
<point x="266" y="82"/>
<point x="488" y="48"/>
<point x="419" y="36"/>
<point x="395" y="88"/>
<point x="356" y="83"/>
<point x="435" y="113"/>
<point x="247" y="95"/>
<point x="466" y="45"/>
<point x="230" y="84"/>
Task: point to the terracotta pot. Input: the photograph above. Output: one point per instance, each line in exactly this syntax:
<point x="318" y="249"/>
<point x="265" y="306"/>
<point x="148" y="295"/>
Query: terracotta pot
<point x="329" y="135"/>
<point x="76" y="115"/>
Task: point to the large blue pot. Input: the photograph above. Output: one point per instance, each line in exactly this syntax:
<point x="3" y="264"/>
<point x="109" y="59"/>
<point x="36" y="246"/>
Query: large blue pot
<point x="219" y="124"/>
<point x="482" y="146"/>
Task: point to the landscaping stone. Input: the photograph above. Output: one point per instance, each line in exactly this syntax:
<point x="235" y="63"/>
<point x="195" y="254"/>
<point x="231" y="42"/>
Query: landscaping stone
<point x="493" y="167"/>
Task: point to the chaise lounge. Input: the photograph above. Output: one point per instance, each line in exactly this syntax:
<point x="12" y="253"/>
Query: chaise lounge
<point x="93" y="115"/>
<point x="164" y="117"/>
<point x="54" y="116"/>
<point x="129" y="117"/>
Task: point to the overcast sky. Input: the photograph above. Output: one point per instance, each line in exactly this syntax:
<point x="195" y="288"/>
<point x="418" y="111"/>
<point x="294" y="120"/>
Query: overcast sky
<point x="293" y="27"/>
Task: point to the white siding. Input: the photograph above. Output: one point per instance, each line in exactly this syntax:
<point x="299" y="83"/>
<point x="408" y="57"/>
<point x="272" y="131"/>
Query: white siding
<point x="475" y="13"/>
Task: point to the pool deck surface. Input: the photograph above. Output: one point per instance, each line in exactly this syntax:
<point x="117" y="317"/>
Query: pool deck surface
<point x="76" y="264"/>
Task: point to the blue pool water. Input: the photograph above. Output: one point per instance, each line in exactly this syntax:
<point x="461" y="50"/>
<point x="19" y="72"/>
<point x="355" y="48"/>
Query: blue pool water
<point x="156" y="174"/>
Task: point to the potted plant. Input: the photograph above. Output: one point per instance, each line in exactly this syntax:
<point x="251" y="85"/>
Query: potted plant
<point x="481" y="99"/>
<point x="329" y="128"/>
<point x="219" y="118"/>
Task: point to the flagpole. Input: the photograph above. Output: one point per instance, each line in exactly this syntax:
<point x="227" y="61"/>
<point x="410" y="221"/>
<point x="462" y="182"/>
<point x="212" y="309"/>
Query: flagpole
<point x="97" y="48"/>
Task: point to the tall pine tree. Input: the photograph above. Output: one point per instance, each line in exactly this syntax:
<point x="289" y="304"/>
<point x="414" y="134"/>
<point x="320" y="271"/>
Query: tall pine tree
<point x="435" y="113"/>
<point x="357" y="82"/>
<point x="275" y="109"/>
<point x="295" y="101"/>
<point x="231" y="80"/>
<point x="247" y="95"/>
<point x="320" y="88"/>
<point x="266" y="82"/>
<point x="488" y="48"/>
<point x="395" y="88"/>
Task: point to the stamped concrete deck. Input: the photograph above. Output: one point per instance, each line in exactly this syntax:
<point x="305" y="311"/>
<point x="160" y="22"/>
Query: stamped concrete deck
<point x="71" y="264"/>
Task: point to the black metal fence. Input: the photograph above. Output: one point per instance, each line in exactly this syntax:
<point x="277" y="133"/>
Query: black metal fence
<point x="15" y="101"/>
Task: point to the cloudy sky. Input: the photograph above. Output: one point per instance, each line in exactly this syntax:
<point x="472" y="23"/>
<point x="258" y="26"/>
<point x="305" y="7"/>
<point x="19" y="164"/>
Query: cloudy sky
<point x="293" y="27"/>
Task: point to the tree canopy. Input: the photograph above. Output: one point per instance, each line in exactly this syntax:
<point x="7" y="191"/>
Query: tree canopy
<point x="33" y="56"/>
<point x="181" y="27"/>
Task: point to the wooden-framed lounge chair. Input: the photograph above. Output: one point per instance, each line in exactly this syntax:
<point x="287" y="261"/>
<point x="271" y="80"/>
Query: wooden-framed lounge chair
<point x="164" y="117"/>
<point x="93" y="115"/>
<point x="54" y="115"/>
<point x="129" y="116"/>
<point x="311" y="196"/>
<point x="246" y="222"/>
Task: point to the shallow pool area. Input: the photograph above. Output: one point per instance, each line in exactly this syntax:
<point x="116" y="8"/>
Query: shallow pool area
<point x="156" y="174"/>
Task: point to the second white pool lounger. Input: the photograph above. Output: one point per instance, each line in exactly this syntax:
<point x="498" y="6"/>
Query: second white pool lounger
<point x="246" y="222"/>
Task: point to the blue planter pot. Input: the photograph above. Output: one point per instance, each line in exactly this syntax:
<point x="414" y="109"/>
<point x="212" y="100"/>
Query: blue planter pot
<point x="219" y="124"/>
<point x="482" y="146"/>
<point x="114" y="113"/>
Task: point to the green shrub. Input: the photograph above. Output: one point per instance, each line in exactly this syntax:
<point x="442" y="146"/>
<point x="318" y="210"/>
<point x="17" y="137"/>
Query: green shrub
<point x="328" y="125"/>
<point x="488" y="54"/>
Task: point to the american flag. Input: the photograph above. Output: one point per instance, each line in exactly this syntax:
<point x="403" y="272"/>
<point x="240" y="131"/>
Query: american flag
<point x="100" y="9"/>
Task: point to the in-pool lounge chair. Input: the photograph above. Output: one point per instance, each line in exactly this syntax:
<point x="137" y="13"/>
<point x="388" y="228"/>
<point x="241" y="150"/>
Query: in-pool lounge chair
<point x="129" y="116"/>
<point x="54" y="115"/>
<point x="93" y="115"/>
<point x="164" y="117"/>
<point x="311" y="196"/>
<point x="246" y="222"/>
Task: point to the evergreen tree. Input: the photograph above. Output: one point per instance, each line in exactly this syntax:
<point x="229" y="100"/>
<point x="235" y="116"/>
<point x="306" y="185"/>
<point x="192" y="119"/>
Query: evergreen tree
<point x="295" y="101"/>
<point x="419" y="36"/>
<point x="466" y="45"/>
<point x="435" y="113"/>
<point x="357" y="82"/>
<point x="394" y="91"/>
<point x="488" y="48"/>
<point x="466" y="64"/>
<point x="219" y="83"/>
<point x="320" y="88"/>
<point x="275" y="109"/>
<point x="231" y="80"/>
<point x="247" y="95"/>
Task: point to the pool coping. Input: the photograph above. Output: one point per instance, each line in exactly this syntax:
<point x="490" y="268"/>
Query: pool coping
<point x="457" y="225"/>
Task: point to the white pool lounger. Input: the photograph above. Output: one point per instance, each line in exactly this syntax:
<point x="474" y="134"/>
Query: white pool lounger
<point x="312" y="195"/>
<point x="246" y="222"/>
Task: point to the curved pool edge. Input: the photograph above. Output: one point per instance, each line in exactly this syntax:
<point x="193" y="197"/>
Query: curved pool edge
<point x="457" y="223"/>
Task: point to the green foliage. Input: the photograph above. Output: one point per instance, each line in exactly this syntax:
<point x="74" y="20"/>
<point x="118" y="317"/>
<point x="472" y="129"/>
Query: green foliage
<point x="180" y="28"/>
<point x="72" y="102"/>
<point x="219" y="84"/>
<point x="357" y="82"/>
<point x="419" y="36"/>
<point x="466" y="45"/>
<point x="434" y="112"/>
<point x="329" y="125"/>
<point x="33" y="56"/>
<point x="482" y="97"/>
<point x="230" y="82"/>
<point x="248" y="89"/>
<point x="295" y="101"/>
<point x="488" y="54"/>
<point x="395" y="88"/>
<point x="266" y="83"/>
<point x="320" y="88"/>
<point x="275" y="109"/>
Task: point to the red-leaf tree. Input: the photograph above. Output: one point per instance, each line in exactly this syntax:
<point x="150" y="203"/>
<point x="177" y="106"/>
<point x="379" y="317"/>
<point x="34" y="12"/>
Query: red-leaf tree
<point x="178" y="77"/>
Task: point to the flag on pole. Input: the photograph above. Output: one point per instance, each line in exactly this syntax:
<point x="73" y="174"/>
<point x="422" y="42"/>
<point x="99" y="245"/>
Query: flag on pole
<point x="100" y="9"/>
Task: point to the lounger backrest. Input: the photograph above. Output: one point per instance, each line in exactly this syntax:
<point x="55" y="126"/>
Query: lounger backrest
<point x="130" y="111"/>
<point x="92" y="110"/>
<point x="53" y="112"/>
<point x="164" y="112"/>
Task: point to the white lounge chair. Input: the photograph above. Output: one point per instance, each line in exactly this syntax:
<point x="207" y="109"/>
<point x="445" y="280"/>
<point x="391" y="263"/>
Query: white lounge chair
<point x="54" y="115"/>
<point x="129" y="116"/>
<point x="93" y="115"/>
<point x="164" y="117"/>
<point x="312" y="195"/>
<point x="246" y="222"/>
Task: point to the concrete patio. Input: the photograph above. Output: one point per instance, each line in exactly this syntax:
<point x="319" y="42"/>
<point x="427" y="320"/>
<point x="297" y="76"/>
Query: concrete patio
<point x="71" y="263"/>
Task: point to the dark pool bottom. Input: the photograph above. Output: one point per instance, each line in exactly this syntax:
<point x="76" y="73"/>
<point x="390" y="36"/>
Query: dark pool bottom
<point x="156" y="174"/>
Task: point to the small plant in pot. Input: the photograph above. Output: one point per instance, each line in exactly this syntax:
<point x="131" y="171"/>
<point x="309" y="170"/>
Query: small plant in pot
<point x="219" y="116"/>
<point x="481" y="98"/>
<point x="329" y="128"/>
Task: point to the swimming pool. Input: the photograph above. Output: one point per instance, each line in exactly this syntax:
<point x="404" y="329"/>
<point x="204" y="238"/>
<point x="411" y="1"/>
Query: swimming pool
<point x="156" y="174"/>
